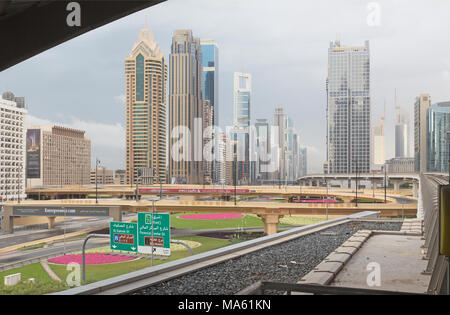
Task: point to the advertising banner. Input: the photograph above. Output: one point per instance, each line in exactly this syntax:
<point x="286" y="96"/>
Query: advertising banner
<point x="33" y="151"/>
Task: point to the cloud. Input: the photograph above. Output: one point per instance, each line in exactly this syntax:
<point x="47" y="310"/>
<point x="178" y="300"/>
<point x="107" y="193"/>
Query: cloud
<point x="120" y="99"/>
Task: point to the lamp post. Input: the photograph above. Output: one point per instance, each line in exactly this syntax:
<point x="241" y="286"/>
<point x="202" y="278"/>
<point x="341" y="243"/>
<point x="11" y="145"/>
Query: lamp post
<point x="153" y="214"/>
<point x="97" y="163"/>
<point x="385" y="182"/>
<point x="356" y="182"/>
<point x="235" y="176"/>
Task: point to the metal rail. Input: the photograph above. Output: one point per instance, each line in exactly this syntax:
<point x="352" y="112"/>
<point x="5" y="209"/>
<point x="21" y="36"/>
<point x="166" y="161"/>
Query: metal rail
<point x="259" y="288"/>
<point x="437" y="264"/>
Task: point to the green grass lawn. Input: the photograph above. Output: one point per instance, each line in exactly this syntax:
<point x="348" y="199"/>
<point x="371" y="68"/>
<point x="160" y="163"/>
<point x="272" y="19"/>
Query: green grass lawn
<point x="100" y="272"/>
<point x="43" y="283"/>
<point x="249" y="221"/>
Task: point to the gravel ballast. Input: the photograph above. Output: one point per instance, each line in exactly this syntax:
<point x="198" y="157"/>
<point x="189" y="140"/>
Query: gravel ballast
<point x="285" y="262"/>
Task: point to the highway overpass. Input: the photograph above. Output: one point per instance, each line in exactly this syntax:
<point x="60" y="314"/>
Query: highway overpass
<point x="269" y="212"/>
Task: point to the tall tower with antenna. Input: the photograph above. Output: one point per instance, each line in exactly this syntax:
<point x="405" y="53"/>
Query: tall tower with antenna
<point x="401" y="130"/>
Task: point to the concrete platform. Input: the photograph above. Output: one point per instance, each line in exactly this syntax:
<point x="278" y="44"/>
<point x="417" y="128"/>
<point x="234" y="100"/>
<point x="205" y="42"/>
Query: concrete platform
<point x="400" y="261"/>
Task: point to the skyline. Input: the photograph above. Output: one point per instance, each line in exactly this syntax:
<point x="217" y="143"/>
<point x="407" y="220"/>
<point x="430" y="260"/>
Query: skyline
<point x="88" y="93"/>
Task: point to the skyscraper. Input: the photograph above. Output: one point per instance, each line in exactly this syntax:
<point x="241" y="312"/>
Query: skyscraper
<point x="401" y="131"/>
<point x="303" y="161"/>
<point x="185" y="109"/>
<point x="210" y="64"/>
<point x="146" y="73"/>
<point x="438" y="124"/>
<point x="241" y="128"/>
<point x="378" y="143"/>
<point x="348" y="108"/>
<point x="262" y="150"/>
<point x="279" y="121"/>
<point x="210" y="92"/>
<point x="421" y="106"/>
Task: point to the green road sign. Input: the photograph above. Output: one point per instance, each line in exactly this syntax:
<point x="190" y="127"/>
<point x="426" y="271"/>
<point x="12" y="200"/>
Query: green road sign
<point x="161" y="233"/>
<point x="123" y="236"/>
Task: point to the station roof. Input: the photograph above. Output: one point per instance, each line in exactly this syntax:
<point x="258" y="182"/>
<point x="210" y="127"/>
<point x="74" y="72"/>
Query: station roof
<point x="29" y="27"/>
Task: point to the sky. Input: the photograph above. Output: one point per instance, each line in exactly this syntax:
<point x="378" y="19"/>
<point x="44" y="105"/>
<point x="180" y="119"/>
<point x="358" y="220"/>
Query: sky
<point x="283" y="44"/>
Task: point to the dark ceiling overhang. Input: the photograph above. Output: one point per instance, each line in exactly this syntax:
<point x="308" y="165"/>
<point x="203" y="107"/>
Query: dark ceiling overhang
<point x="29" y="27"/>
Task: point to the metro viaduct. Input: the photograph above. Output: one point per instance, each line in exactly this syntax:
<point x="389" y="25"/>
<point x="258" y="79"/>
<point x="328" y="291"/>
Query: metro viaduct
<point x="269" y="212"/>
<point x="196" y="191"/>
<point x="373" y="178"/>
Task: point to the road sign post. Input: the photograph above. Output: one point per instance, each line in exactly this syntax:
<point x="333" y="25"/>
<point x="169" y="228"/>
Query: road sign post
<point x="123" y="236"/>
<point x="160" y="234"/>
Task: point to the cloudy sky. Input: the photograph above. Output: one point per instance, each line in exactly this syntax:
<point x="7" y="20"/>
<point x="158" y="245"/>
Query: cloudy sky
<point x="283" y="44"/>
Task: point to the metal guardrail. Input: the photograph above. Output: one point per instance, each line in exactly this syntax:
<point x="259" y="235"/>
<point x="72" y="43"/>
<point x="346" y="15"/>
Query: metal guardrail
<point x="28" y="261"/>
<point x="260" y="287"/>
<point x="437" y="265"/>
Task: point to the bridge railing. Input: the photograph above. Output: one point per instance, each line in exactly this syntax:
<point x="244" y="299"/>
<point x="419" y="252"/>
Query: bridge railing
<point x="437" y="266"/>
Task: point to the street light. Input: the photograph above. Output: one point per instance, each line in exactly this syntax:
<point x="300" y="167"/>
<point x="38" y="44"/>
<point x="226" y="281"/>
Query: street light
<point x="97" y="163"/>
<point x="385" y="182"/>
<point x="153" y="214"/>
<point x="356" y="181"/>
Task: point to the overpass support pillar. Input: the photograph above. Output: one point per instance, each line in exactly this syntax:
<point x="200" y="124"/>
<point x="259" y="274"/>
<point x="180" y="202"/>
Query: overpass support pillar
<point x="116" y="214"/>
<point x="270" y="223"/>
<point x="396" y="185"/>
<point x="51" y="222"/>
<point x="415" y="189"/>
<point x="8" y="220"/>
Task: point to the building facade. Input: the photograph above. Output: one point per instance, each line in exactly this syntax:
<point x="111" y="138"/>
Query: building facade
<point x="378" y="143"/>
<point x="210" y="92"/>
<point x="421" y="106"/>
<point x="120" y="177"/>
<point x="12" y="147"/>
<point x="145" y="73"/>
<point x="279" y="122"/>
<point x="401" y="132"/>
<point x="102" y="176"/>
<point x="241" y="130"/>
<point x="348" y="108"/>
<point x="57" y="156"/>
<point x="185" y="109"/>
<point x="208" y="161"/>
<point x="263" y="157"/>
<point x="400" y="165"/>
<point x="438" y="124"/>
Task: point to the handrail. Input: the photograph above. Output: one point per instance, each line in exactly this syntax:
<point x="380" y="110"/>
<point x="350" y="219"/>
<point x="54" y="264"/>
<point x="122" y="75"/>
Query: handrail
<point x="437" y="264"/>
<point x="184" y="244"/>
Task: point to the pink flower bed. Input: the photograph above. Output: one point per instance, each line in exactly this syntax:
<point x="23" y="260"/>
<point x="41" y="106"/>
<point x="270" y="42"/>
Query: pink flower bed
<point x="91" y="259"/>
<point x="212" y="216"/>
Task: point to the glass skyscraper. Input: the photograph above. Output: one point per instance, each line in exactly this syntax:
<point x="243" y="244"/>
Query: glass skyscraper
<point x="438" y="123"/>
<point x="210" y="93"/>
<point x="185" y="109"/>
<point x="240" y="134"/>
<point x="210" y="84"/>
<point x="348" y="108"/>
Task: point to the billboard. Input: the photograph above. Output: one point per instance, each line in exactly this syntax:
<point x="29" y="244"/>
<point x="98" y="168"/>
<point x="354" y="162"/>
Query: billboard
<point x="57" y="211"/>
<point x="33" y="150"/>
